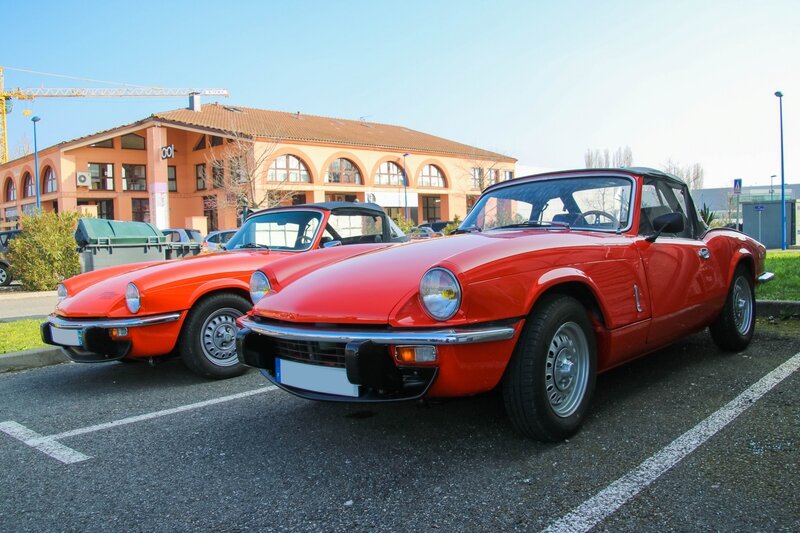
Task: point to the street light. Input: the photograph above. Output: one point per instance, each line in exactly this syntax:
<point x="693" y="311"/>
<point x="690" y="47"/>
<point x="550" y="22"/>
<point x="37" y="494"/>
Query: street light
<point x="783" y="185"/>
<point x="36" y="165"/>
<point x="405" y="184"/>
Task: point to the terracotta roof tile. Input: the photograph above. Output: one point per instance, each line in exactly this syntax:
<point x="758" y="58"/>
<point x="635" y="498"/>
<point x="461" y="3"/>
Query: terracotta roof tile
<point x="282" y="126"/>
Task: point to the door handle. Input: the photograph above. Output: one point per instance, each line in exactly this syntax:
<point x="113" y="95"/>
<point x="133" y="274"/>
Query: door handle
<point x="704" y="253"/>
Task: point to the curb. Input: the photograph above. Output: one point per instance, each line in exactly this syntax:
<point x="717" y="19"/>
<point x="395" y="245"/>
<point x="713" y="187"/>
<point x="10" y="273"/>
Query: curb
<point x="35" y="358"/>
<point x="39" y="357"/>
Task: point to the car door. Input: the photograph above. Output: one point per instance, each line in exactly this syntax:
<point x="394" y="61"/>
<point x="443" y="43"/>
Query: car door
<point x="677" y="266"/>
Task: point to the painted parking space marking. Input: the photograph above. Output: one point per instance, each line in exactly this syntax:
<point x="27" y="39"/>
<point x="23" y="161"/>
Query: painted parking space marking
<point x="46" y="445"/>
<point x="607" y="501"/>
<point x="49" y="444"/>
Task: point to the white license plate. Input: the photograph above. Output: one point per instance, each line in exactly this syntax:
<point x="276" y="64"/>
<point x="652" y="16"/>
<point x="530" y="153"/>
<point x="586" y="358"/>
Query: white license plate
<point x="327" y="379"/>
<point x="65" y="337"/>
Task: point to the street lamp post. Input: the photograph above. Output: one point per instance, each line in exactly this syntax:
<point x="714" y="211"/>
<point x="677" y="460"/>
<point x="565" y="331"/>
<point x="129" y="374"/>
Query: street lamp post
<point x="405" y="185"/>
<point x="783" y="183"/>
<point x="36" y="165"/>
<point x="771" y="189"/>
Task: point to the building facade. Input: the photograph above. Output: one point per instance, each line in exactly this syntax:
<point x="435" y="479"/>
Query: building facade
<point x="198" y="167"/>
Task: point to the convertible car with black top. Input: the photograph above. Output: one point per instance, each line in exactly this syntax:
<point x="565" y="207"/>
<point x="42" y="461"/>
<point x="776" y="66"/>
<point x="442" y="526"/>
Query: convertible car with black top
<point x="188" y="306"/>
<point x="552" y="279"/>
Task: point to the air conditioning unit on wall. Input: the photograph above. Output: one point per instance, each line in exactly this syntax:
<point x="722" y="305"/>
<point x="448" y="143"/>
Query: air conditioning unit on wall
<point x="83" y="179"/>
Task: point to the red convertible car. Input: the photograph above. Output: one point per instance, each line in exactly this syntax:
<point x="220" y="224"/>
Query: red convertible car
<point x="553" y="278"/>
<point x="188" y="306"/>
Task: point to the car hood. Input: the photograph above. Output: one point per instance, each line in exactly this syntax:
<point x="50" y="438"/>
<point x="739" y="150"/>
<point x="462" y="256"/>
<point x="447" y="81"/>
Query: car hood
<point x="381" y="287"/>
<point x="164" y="286"/>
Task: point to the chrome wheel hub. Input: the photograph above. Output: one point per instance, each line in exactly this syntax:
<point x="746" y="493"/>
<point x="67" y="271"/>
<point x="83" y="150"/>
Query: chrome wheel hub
<point x="567" y="369"/>
<point x="742" y="306"/>
<point x="219" y="337"/>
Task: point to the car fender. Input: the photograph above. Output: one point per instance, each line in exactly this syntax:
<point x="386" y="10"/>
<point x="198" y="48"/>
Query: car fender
<point x="219" y="285"/>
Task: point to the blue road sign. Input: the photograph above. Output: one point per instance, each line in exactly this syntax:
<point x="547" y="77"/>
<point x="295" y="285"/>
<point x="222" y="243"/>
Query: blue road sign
<point x="737" y="186"/>
<point x="758" y="207"/>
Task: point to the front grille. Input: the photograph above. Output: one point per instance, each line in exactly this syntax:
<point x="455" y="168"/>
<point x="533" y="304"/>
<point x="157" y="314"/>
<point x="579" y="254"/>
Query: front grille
<point x="318" y="353"/>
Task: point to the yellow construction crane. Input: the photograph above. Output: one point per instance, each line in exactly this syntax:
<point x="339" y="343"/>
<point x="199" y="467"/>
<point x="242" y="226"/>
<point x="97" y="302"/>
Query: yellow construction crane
<point x="75" y="92"/>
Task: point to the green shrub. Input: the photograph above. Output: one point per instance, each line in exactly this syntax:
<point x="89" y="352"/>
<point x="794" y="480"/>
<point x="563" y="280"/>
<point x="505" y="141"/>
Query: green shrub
<point x="44" y="253"/>
<point x="451" y="227"/>
<point x="403" y="224"/>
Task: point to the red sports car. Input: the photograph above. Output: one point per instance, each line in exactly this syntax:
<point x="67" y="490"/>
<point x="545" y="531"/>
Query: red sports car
<point x="554" y="278"/>
<point x="188" y="306"/>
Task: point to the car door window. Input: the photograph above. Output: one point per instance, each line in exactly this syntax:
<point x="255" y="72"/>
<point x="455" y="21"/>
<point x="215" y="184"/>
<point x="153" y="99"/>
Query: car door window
<point x="659" y="198"/>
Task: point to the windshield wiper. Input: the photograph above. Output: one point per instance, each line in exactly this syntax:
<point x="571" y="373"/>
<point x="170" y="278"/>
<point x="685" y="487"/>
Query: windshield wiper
<point x="528" y="224"/>
<point x="253" y="245"/>
<point x="468" y="229"/>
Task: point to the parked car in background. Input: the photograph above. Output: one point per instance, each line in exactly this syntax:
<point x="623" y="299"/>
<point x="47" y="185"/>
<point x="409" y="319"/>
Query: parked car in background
<point x="5" y="266"/>
<point x="188" y="306"/>
<point x="215" y="239"/>
<point x="552" y="279"/>
<point x="182" y="235"/>
<point x="436" y="226"/>
<point x="423" y="232"/>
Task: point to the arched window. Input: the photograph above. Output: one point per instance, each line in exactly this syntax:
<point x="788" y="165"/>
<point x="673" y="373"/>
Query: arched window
<point x="389" y="174"/>
<point x="28" y="189"/>
<point x="49" y="180"/>
<point x="11" y="190"/>
<point x="431" y="176"/>
<point x="288" y="168"/>
<point x="343" y="171"/>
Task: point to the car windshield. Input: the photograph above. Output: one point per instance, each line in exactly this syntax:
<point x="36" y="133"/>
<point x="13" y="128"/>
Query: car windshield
<point x="600" y="203"/>
<point x="293" y="229"/>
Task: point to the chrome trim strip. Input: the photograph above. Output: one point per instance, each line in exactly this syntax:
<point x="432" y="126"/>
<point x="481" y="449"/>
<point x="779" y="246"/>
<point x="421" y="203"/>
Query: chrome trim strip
<point x="398" y="336"/>
<point x="108" y="323"/>
<point x="765" y="277"/>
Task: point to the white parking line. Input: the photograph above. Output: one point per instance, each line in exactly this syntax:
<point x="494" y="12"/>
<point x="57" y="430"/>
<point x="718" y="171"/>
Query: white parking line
<point x="606" y="502"/>
<point x="49" y="445"/>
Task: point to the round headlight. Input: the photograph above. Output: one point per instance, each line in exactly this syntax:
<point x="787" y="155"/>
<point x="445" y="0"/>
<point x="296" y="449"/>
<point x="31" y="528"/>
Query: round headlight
<point x="440" y="293"/>
<point x="259" y="286"/>
<point x="61" y="292"/>
<point x="132" y="298"/>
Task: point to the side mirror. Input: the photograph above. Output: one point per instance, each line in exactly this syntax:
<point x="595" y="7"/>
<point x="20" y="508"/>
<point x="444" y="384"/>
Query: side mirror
<point x="666" y="223"/>
<point x="331" y="244"/>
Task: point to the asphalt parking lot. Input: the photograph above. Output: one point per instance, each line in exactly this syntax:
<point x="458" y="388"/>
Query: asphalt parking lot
<point x="133" y="447"/>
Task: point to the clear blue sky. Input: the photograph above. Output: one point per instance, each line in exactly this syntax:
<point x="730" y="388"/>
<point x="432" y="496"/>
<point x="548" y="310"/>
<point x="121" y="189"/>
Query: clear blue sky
<point x="540" y="81"/>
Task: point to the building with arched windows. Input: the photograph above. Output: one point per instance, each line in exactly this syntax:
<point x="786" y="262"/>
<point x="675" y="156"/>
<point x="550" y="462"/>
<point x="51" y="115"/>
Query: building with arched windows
<point x="197" y="167"/>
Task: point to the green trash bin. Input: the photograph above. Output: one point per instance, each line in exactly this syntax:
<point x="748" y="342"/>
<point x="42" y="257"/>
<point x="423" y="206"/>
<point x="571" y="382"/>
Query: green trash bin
<point x="104" y="243"/>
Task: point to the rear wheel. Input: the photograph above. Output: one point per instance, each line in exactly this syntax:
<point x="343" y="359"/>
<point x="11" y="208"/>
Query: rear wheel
<point x="733" y="329"/>
<point x="208" y="337"/>
<point x="550" y="379"/>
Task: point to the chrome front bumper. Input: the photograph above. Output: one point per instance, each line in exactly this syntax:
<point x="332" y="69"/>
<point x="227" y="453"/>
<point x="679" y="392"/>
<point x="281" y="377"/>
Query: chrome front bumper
<point x="108" y="323"/>
<point x="398" y="336"/>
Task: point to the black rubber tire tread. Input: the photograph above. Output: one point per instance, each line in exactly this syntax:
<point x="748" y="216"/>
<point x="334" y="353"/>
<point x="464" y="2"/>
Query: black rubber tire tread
<point x="189" y="345"/>
<point x="723" y="329"/>
<point x="524" y="393"/>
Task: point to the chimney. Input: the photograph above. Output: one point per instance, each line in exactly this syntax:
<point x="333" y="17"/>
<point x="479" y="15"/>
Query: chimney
<point x="194" y="102"/>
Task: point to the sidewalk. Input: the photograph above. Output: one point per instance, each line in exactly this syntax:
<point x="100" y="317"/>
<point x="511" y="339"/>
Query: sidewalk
<point x="15" y="305"/>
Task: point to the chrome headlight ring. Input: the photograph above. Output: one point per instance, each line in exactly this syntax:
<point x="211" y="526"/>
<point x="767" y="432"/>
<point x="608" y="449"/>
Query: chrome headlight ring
<point x="259" y="286"/>
<point x="440" y="293"/>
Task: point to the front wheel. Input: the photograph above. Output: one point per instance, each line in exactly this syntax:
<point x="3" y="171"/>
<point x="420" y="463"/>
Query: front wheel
<point x="550" y="379"/>
<point x="208" y="337"/>
<point x="733" y="329"/>
<point x="5" y="275"/>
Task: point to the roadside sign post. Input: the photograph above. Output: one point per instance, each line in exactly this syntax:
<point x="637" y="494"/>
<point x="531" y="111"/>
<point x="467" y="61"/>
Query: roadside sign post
<point x="737" y="190"/>
<point x="759" y="209"/>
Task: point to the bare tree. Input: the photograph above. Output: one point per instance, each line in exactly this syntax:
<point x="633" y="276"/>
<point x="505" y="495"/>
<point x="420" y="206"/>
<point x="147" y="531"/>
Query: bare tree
<point x="692" y="175"/>
<point x="239" y="167"/>
<point x="623" y="157"/>
<point x="24" y="146"/>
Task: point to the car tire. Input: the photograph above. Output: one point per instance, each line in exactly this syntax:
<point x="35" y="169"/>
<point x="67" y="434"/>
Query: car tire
<point x="208" y="338"/>
<point x="551" y="376"/>
<point x="733" y="329"/>
<point x="5" y="276"/>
